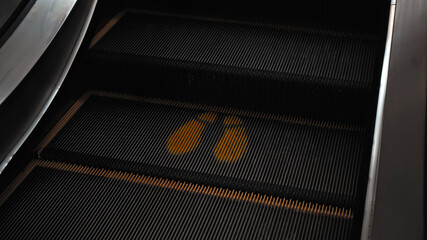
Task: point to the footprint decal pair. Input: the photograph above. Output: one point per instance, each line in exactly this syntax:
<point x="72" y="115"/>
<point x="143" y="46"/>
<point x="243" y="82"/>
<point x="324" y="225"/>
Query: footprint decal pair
<point x="230" y="148"/>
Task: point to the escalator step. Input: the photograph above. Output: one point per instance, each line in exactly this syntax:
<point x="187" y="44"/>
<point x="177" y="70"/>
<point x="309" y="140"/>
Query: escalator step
<point x="52" y="200"/>
<point x="301" y="71"/>
<point x="254" y="152"/>
<point x="319" y="54"/>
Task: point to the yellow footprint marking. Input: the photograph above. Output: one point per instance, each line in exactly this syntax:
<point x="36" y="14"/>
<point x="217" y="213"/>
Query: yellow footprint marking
<point x="233" y="143"/>
<point x="232" y="120"/>
<point x="188" y="136"/>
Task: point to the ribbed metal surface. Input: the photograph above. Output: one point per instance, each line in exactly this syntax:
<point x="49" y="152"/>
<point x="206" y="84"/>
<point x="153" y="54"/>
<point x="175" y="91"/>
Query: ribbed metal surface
<point x="62" y="201"/>
<point x="289" y="53"/>
<point x="296" y="158"/>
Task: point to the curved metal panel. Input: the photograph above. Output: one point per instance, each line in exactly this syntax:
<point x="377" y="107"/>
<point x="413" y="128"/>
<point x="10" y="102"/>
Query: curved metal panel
<point x="26" y="45"/>
<point x="7" y="10"/>
<point x="375" y="155"/>
<point x="63" y="53"/>
<point x="395" y="199"/>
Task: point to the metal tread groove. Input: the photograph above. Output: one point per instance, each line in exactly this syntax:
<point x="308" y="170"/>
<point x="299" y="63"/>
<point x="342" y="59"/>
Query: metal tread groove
<point x="47" y="195"/>
<point x="275" y="155"/>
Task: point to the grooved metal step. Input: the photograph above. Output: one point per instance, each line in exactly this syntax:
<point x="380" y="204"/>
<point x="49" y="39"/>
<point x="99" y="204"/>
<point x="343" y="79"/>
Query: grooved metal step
<point x="318" y="55"/>
<point x="308" y="72"/>
<point x="59" y="200"/>
<point x="255" y="152"/>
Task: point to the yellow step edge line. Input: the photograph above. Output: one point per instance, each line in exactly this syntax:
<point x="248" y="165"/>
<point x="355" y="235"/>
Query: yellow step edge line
<point x="104" y="30"/>
<point x="16" y="182"/>
<point x="271" y="201"/>
<point x="62" y="122"/>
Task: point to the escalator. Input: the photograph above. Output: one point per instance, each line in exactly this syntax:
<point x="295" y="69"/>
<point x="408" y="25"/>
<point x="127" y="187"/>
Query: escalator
<point x="191" y="123"/>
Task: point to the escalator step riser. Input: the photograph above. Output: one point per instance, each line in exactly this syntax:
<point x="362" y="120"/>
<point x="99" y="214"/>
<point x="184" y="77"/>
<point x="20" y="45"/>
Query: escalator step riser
<point x="317" y="72"/>
<point x="59" y="200"/>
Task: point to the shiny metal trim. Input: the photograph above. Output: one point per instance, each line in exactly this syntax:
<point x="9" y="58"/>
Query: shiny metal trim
<point x="376" y="146"/>
<point x="29" y="41"/>
<point x="6" y="161"/>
